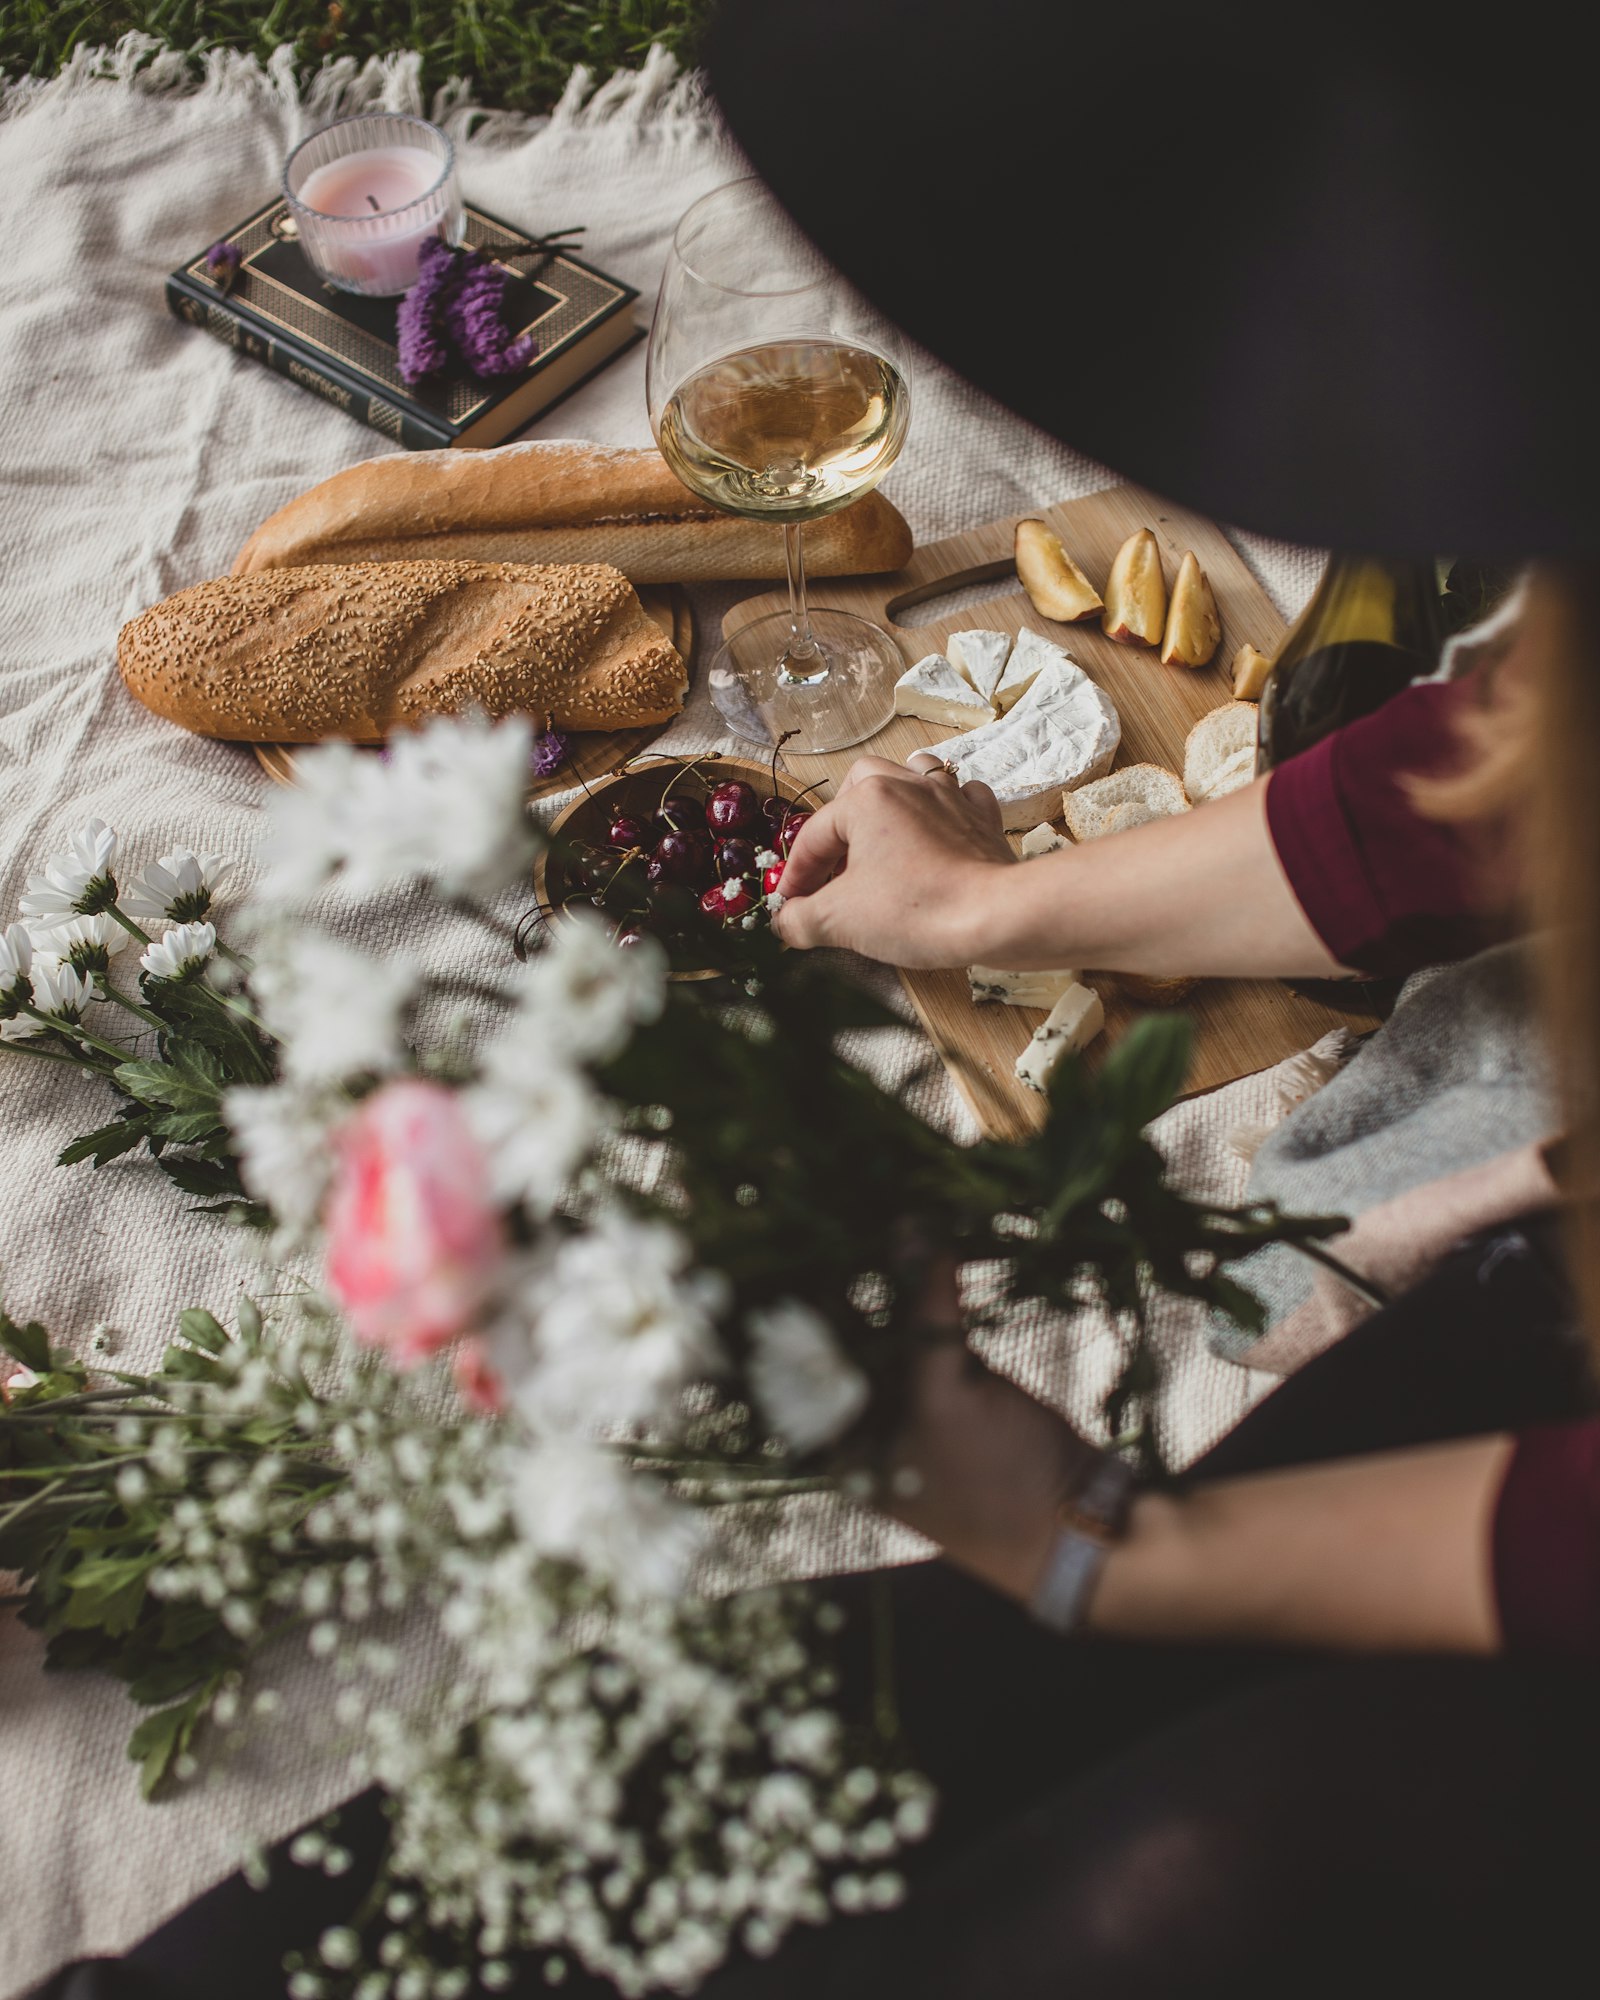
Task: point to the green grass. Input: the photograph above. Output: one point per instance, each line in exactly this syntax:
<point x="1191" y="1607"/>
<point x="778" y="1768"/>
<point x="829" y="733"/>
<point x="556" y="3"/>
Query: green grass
<point x="517" y="52"/>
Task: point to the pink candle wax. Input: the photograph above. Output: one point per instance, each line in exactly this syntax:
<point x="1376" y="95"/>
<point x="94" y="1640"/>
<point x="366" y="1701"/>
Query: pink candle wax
<point x="377" y="186"/>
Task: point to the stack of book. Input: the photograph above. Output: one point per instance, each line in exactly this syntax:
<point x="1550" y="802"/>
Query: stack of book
<point x="342" y="347"/>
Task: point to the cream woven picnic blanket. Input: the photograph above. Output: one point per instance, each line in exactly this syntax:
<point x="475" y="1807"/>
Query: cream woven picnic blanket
<point x="135" y="456"/>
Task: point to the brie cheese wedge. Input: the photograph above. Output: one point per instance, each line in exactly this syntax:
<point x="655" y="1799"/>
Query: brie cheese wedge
<point x="981" y="656"/>
<point x="1018" y="989"/>
<point x="933" y="691"/>
<point x="1072" y="1024"/>
<point x="1063" y="732"/>
<point x="1031" y="652"/>
<point x="1042" y="840"/>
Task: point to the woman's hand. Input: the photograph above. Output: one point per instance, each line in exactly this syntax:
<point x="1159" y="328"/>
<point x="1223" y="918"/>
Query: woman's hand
<point x="900" y="865"/>
<point x="991" y="1468"/>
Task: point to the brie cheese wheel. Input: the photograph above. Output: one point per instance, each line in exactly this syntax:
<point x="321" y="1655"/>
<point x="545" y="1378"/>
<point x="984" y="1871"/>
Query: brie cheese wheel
<point x="1031" y="652"/>
<point x="1072" y="1024"/>
<point x="1018" y="989"/>
<point x="981" y="656"/>
<point x="1063" y="732"/>
<point x="933" y="691"/>
<point x="1042" y="840"/>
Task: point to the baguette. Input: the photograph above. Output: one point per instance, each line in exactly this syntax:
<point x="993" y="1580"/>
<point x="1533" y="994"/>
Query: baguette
<point x="296" y="655"/>
<point x="547" y="501"/>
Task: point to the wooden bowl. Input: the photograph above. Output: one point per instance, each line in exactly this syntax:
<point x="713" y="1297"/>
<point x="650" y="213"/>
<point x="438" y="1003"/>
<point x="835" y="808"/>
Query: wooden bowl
<point x="640" y="789"/>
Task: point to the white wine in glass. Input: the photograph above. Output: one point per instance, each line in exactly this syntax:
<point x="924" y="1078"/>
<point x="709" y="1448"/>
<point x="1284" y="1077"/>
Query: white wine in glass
<point x="776" y="394"/>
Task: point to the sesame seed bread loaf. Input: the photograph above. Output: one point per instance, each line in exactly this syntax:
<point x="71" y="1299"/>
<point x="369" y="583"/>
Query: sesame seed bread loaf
<point x="554" y="501"/>
<point x="296" y="655"/>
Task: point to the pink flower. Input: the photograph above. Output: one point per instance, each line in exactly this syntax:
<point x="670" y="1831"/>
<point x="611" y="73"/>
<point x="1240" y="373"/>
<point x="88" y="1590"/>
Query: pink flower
<point x="14" y="1377"/>
<point x="478" y="1384"/>
<point x="414" y="1237"/>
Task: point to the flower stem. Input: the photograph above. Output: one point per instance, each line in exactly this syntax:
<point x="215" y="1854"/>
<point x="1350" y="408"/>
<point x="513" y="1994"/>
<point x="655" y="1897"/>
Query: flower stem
<point x="128" y="924"/>
<point x="110" y="992"/>
<point x="49" y="1055"/>
<point x="76" y="1032"/>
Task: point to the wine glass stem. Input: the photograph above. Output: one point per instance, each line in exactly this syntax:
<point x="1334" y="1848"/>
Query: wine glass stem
<point x="804" y="663"/>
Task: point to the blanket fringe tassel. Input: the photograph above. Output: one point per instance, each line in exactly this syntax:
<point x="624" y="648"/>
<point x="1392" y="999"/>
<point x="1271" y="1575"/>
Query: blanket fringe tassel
<point x="655" y="93"/>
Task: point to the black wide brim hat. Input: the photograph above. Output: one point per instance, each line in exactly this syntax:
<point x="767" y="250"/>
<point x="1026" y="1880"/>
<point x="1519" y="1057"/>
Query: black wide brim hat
<point x="1325" y="274"/>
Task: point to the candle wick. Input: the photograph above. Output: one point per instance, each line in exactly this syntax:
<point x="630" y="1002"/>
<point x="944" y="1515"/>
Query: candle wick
<point x="375" y="208"/>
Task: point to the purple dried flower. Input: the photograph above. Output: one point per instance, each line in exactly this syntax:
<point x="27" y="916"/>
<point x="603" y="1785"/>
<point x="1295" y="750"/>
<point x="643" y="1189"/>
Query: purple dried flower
<point x="222" y="264"/>
<point x="475" y="315"/>
<point x="549" y="752"/>
<point x="423" y="350"/>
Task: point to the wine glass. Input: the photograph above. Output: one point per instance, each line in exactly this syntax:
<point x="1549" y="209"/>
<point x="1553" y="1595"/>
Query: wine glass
<point x="776" y="393"/>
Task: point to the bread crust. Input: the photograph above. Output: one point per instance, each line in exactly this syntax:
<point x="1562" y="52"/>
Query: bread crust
<point x="353" y="651"/>
<point x="545" y="501"/>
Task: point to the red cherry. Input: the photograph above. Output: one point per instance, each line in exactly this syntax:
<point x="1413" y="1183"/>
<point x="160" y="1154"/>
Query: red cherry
<point x="789" y="832"/>
<point x="771" y="877"/>
<point x="773" y="811"/>
<point x="737" y="902"/>
<point x="629" y="830"/>
<point x="711" y="902"/>
<point x="733" y="808"/>
<point x="736" y="857"/>
<point x="685" y="857"/>
<point x="678" y="812"/>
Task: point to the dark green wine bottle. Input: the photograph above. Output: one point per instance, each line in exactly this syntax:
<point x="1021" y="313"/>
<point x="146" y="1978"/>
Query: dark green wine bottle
<point x="1372" y="627"/>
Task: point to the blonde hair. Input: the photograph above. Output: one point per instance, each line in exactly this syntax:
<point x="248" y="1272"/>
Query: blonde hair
<point x="1533" y="767"/>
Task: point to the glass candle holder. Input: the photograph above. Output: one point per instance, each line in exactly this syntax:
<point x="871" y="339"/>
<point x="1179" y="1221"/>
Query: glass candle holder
<point x="366" y="193"/>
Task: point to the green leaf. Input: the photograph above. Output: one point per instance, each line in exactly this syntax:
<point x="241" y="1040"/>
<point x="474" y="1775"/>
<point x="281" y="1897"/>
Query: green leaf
<point x="1145" y="1071"/>
<point x="213" y="1179"/>
<point x="202" y="1329"/>
<point x="109" y="1143"/>
<point x="182" y="1364"/>
<point x="192" y="1082"/>
<point x="249" y="1319"/>
<point x="183" y="1128"/>
<point x="28" y="1344"/>
<point x="162" y="1738"/>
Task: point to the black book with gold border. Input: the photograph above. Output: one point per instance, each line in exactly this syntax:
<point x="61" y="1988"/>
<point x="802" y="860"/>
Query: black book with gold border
<point x="342" y="347"/>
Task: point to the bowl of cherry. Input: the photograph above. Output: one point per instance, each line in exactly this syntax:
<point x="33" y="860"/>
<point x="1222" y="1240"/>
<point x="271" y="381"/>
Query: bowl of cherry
<point x="688" y="853"/>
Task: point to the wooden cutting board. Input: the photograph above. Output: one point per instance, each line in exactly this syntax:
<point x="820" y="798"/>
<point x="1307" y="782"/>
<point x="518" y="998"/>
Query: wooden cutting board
<point x="1240" y="1025"/>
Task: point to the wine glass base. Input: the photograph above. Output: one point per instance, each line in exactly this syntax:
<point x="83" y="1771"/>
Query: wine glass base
<point x="757" y="697"/>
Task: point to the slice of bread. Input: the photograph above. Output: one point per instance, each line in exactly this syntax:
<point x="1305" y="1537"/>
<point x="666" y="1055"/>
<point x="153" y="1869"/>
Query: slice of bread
<point x="1219" y="754"/>
<point x="1151" y="786"/>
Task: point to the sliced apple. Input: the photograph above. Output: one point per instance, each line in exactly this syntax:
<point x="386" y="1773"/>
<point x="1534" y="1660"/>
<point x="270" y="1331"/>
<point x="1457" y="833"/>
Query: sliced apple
<point x="1136" y="593"/>
<point x="1056" y="587"/>
<point x="1250" y="670"/>
<point x="1194" y="631"/>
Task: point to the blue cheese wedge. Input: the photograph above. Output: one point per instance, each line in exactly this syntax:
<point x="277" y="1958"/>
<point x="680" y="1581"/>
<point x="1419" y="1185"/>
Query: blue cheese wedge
<point x="1031" y="652"/>
<point x="1063" y="732"/>
<point x="981" y="656"/>
<point x="934" y="691"/>
<point x="1042" y="840"/>
<point x="1071" y="1025"/>
<point x="1040" y="990"/>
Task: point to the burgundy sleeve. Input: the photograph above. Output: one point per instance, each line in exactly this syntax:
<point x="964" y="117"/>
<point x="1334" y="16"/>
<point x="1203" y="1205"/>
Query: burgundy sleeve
<point x="1547" y="1542"/>
<point x="1385" y="889"/>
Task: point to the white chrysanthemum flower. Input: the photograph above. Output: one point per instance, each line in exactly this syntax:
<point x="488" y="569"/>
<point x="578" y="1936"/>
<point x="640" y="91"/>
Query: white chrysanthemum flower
<point x="536" y="1119"/>
<point x="16" y="960"/>
<point x="621" y="1324"/>
<point x="59" y="990"/>
<point x="583" y="998"/>
<point x="806" y="1387"/>
<point x="444" y="804"/>
<point x="88" y="944"/>
<point x="335" y="1010"/>
<point x="285" y="1158"/>
<point x="181" y="887"/>
<point x="181" y="953"/>
<point x="469" y="779"/>
<point x="580" y="1503"/>
<point x="76" y="882"/>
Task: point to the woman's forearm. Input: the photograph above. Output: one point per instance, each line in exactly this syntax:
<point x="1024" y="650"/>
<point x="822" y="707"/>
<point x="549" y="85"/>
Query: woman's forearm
<point x="906" y="867"/>
<point x="1201" y="893"/>
<point x="1383" y="1554"/>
